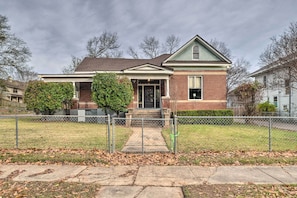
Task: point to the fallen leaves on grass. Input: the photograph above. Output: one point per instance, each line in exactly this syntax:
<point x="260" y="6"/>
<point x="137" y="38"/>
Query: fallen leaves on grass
<point x="103" y="158"/>
<point x="10" y="188"/>
<point x="243" y="190"/>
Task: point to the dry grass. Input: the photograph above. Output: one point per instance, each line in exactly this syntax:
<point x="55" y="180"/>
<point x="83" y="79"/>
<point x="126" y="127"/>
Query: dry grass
<point x="193" y="138"/>
<point x="36" y="133"/>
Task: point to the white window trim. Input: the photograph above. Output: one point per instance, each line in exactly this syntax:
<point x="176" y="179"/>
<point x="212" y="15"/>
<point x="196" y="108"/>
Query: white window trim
<point x="201" y="85"/>
<point x="193" y="52"/>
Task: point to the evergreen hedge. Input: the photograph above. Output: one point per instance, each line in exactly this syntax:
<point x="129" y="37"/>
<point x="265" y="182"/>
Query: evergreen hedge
<point x="196" y="117"/>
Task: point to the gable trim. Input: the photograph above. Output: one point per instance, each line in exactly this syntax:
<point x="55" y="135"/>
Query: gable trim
<point x="148" y="69"/>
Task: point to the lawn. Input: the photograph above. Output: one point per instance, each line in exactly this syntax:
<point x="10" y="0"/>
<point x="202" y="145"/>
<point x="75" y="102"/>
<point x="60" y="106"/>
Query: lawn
<point x="246" y="137"/>
<point x="42" y="134"/>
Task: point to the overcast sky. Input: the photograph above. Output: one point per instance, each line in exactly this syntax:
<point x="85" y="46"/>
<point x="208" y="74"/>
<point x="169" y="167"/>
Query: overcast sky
<point x="56" y="29"/>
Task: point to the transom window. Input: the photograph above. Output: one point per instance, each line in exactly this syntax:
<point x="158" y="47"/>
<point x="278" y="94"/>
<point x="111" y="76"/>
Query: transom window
<point x="196" y="52"/>
<point x="194" y="84"/>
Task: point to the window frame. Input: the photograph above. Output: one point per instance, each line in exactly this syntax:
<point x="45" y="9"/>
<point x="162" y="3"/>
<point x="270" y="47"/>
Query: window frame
<point x="287" y="87"/>
<point x="265" y="81"/>
<point x="195" y="52"/>
<point x="201" y="87"/>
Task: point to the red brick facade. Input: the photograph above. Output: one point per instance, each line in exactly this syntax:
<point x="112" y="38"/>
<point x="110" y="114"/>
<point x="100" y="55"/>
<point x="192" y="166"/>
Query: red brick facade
<point x="213" y="91"/>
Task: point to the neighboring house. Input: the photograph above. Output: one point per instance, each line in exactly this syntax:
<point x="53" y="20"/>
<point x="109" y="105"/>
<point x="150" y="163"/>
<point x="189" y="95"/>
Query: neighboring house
<point x="192" y="78"/>
<point x="278" y="89"/>
<point x="14" y="91"/>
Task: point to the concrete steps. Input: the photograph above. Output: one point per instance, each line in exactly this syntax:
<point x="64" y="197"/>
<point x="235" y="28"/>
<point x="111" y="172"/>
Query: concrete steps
<point x="151" y="118"/>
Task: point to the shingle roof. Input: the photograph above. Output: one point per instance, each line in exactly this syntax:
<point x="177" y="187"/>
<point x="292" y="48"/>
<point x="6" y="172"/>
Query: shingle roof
<point x="116" y="64"/>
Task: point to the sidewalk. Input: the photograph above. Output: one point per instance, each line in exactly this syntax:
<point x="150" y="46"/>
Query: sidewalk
<point x="155" y="181"/>
<point x="152" y="141"/>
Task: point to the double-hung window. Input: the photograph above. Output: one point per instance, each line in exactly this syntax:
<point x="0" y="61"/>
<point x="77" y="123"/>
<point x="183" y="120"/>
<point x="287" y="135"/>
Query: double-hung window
<point x="195" y="88"/>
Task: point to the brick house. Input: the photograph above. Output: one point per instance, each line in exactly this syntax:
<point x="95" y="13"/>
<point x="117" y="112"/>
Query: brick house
<point x="192" y="78"/>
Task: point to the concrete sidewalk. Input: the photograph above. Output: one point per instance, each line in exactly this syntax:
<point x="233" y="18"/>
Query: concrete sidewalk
<point x="150" y="181"/>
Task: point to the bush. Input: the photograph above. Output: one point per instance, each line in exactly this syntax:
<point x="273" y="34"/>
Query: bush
<point x="266" y="107"/>
<point x="225" y="112"/>
<point x="196" y="117"/>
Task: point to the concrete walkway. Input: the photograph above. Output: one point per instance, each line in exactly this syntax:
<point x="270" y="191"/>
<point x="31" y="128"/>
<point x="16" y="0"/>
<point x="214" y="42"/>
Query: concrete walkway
<point x="152" y="141"/>
<point x="150" y="181"/>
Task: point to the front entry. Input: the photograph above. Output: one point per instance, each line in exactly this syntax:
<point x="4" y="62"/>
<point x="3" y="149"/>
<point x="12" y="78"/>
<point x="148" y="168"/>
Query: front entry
<point x="149" y="94"/>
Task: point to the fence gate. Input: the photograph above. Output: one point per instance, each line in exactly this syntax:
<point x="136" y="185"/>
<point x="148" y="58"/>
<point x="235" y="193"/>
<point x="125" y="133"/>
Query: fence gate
<point x="142" y="135"/>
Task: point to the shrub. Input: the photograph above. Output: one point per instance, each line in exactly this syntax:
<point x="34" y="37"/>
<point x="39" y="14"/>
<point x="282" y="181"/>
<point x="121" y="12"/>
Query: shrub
<point x="225" y="112"/>
<point x="196" y="117"/>
<point x="266" y="107"/>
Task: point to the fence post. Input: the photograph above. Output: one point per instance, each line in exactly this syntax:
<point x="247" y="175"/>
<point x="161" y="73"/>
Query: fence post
<point x="142" y="139"/>
<point x="175" y="135"/>
<point x="17" y="132"/>
<point x="108" y="132"/>
<point x="269" y="135"/>
<point x="113" y="135"/>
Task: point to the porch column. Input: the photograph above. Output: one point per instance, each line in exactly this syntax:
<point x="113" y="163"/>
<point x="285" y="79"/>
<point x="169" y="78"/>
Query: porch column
<point x="167" y="87"/>
<point x="74" y="90"/>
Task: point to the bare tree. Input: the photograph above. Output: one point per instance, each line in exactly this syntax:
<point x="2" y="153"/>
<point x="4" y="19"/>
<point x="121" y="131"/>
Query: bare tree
<point x="69" y="69"/>
<point x="14" y="54"/>
<point x="131" y="51"/>
<point x="150" y="47"/>
<point x="221" y="47"/>
<point x="171" y="44"/>
<point x="106" y="45"/>
<point x="237" y="74"/>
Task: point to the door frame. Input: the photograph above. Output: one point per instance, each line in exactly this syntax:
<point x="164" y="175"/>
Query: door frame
<point x="141" y="104"/>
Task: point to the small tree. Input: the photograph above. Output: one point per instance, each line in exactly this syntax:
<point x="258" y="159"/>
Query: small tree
<point x="112" y="92"/>
<point x="46" y="98"/>
<point x="249" y="95"/>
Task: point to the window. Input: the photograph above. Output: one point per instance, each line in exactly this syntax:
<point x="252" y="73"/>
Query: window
<point x="194" y="85"/>
<point x="196" y="52"/>
<point x="15" y="90"/>
<point x="287" y="86"/>
<point x="275" y="101"/>
<point x="264" y="81"/>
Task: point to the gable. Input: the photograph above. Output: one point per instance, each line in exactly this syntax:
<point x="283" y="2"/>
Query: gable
<point x="206" y="52"/>
<point x="187" y="53"/>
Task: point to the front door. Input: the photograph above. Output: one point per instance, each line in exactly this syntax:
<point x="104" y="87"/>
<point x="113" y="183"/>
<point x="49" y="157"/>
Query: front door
<point x="149" y="96"/>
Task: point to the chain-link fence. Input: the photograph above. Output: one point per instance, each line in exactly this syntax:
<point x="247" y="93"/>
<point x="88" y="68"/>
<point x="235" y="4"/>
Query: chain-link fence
<point x="237" y="133"/>
<point x="69" y="132"/>
<point x="142" y="135"/>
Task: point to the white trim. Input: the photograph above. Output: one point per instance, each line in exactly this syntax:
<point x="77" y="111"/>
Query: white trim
<point x="195" y="53"/>
<point x="197" y="64"/>
<point x="201" y="87"/>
